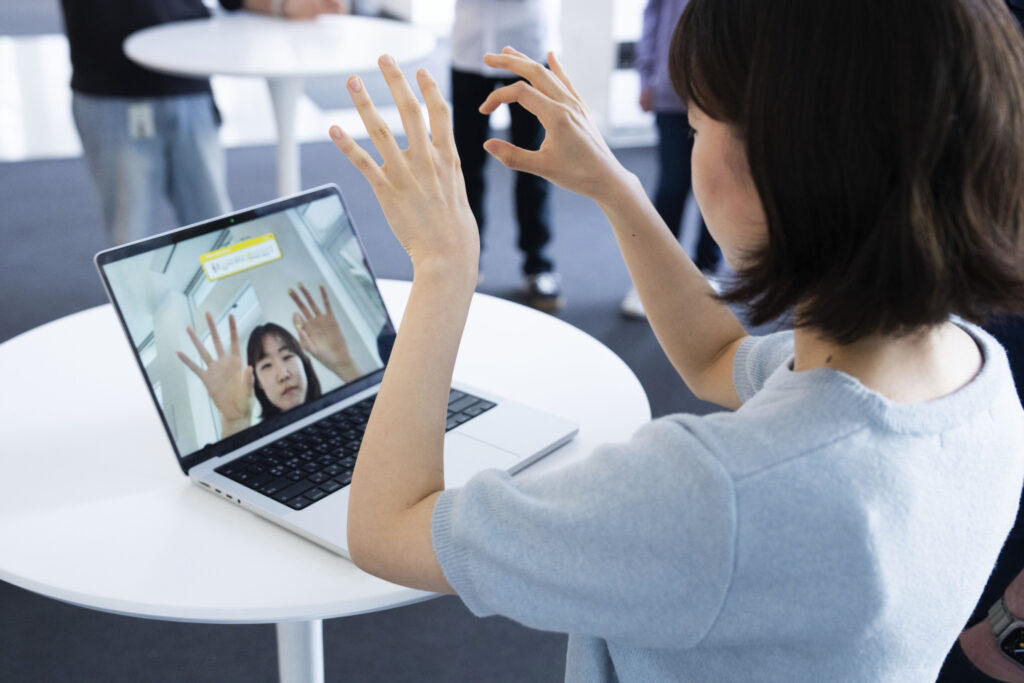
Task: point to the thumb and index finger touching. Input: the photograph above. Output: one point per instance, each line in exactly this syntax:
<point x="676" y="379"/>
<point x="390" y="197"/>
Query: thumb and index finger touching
<point x="544" y="92"/>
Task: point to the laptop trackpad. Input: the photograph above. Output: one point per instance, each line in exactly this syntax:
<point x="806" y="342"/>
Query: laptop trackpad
<point x="464" y="456"/>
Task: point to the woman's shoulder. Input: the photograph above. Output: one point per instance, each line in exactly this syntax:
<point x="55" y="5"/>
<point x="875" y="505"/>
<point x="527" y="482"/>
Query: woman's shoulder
<point x="757" y="358"/>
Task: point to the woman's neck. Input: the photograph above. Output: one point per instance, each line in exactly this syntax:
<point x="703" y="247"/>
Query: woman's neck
<point x="914" y="368"/>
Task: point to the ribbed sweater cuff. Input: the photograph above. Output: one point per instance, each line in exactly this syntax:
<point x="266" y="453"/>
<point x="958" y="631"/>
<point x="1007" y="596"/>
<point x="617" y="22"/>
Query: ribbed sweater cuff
<point x="454" y="560"/>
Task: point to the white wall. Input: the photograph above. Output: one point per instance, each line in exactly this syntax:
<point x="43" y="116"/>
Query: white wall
<point x="588" y="52"/>
<point x="436" y="14"/>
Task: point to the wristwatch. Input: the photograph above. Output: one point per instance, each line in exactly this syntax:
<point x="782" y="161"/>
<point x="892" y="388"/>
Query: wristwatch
<point x="1009" y="631"/>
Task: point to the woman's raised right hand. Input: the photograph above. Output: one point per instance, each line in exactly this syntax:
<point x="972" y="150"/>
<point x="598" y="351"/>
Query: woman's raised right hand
<point x="573" y="155"/>
<point x="228" y="381"/>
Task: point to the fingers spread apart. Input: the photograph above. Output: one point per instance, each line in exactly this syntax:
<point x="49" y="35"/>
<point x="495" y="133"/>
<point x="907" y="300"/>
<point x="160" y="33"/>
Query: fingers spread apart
<point x="299" y="302"/>
<point x="298" y="321"/>
<point x="327" y="302"/>
<point x="408" y="106"/>
<point x="359" y="157"/>
<point x="375" y="125"/>
<point x="411" y="113"/>
<point x="309" y="297"/>
<point x="214" y="336"/>
<point x="200" y="349"/>
<point x="439" y="114"/>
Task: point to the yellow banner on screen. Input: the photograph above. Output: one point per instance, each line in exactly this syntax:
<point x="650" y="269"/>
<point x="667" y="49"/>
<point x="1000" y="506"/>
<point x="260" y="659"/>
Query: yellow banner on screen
<point x="238" y="257"/>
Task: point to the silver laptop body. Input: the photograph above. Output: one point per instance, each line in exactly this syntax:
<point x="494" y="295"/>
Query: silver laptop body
<point x="248" y="266"/>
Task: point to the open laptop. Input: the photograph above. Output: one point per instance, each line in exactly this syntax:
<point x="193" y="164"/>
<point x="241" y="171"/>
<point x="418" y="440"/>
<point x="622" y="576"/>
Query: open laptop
<point x="290" y="459"/>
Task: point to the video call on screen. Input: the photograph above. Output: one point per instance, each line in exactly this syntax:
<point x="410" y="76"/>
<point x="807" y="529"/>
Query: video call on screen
<point x="251" y="272"/>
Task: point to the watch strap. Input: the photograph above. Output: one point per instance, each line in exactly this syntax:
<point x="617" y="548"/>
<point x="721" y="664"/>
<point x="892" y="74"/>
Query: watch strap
<point x="1000" y="617"/>
<point x="277" y="8"/>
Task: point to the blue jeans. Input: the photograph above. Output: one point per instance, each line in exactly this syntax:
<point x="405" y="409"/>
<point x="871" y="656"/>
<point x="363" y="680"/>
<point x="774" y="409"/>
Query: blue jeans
<point x="674" y="149"/>
<point x="139" y="150"/>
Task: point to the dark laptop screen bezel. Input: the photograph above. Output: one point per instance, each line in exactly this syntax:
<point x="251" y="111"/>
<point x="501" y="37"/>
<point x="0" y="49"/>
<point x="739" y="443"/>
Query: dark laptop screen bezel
<point x="269" y="425"/>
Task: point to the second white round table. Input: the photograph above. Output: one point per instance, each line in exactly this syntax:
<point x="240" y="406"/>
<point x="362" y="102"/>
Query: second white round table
<point x="282" y="51"/>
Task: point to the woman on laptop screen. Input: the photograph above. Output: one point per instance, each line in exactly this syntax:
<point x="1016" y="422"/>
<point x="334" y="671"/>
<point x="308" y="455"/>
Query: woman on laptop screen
<point x="278" y="370"/>
<point x="861" y="166"/>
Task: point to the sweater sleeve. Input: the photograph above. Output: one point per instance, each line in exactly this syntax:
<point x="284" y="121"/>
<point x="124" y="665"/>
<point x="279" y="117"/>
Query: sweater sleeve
<point x="757" y="358"/>
<point x="634" y="543"/>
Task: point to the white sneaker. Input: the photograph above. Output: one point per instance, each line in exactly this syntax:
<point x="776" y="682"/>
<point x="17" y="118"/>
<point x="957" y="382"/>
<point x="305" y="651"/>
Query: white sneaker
<point x="632" y="307"/>
<point x="544" y="291"/>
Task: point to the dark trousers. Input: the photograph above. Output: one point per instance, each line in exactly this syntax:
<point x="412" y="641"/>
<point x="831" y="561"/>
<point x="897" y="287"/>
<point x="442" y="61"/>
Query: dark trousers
<point x="533" y="207"/>
<point x="675" y="145"/>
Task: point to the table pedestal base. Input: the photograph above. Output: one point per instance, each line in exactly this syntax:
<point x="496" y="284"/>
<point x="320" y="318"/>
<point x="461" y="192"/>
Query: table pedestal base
<point x="300" y="651"/>
<point x="284" y="95"/>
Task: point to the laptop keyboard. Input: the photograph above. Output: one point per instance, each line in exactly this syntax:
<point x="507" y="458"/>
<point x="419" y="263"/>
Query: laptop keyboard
<point x="308" y="465"/>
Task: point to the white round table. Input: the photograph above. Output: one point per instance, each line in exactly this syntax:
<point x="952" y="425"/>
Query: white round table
<point x="282" y="51"/>
<point x="95" y="511"/>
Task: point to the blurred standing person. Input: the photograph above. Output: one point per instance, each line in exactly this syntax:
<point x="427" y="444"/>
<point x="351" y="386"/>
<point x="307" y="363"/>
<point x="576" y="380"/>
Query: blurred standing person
<point x="483" y="26"/>
<point x="675" y="140"/>
<point x="147" y="135"/>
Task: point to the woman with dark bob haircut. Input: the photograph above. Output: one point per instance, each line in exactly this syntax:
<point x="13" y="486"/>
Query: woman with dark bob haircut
<point x="281" y="368"/>
<point x="861" y="164"/>
<point x="278" y="369"/>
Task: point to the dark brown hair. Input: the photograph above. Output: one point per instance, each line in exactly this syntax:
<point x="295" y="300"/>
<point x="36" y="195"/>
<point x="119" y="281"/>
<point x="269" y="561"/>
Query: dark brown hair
<point x="886" y="142"/>
<point x="254" y="353"/>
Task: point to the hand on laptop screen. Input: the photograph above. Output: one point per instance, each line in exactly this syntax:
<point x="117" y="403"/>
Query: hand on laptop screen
<point x="229" y="383"/>
<point x="277" y="369"/>
<point x="227" y="334"/>
<point x="320" y="334"/>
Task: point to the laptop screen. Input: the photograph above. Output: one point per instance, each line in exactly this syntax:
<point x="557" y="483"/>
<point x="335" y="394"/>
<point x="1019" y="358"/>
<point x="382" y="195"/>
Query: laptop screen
<point x="249" y="321"/>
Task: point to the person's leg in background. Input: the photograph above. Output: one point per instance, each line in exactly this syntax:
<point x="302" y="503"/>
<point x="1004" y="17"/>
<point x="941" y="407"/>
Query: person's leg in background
<point x="675" y="145"/>
<point x="533" y="214"/>
<point x="670" y="197"/>
<point x="197" y="178"/>
<point x="125" y="159"/>
<point x="471" y="129"/>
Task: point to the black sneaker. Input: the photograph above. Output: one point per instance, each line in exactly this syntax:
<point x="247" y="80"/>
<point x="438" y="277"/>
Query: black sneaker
<point x="544" y="291"/>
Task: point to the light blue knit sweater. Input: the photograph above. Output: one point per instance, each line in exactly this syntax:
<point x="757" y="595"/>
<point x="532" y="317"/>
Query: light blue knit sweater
<point x="819" y="533"/>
